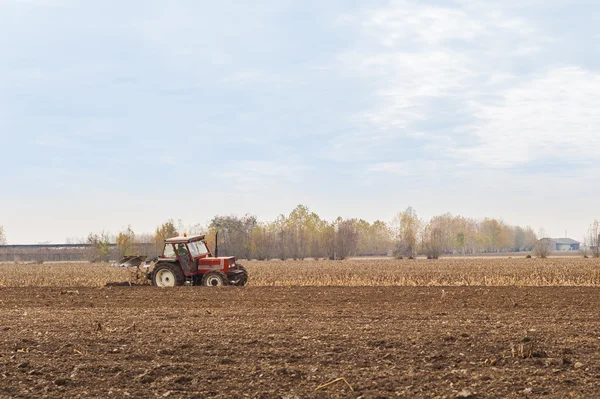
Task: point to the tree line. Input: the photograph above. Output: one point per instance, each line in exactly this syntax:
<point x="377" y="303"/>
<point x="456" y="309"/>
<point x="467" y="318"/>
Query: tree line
<point x="304" y="234"/>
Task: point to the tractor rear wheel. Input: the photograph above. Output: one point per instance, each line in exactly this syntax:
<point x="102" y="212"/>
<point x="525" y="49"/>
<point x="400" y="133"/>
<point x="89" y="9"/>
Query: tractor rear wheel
<point x="215" y="279"/>
<point x="167" y="275"/>
<point x="242" y="278"/>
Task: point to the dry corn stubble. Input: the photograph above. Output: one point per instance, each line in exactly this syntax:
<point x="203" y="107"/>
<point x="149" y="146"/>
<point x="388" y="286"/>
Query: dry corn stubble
<point x="387" y="272"/>
<point x="444" y="272"/>
<point x="61" y="275"/>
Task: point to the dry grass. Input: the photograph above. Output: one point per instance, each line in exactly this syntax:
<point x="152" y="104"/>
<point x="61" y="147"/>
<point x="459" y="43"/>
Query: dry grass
<point x="444" y="272"/>
<point x="61" y="275"/>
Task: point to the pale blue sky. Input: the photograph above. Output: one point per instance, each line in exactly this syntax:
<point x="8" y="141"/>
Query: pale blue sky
<point x="132" y="112"/>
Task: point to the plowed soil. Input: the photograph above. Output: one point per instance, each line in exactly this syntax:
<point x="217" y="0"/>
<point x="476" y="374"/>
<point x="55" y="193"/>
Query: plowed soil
<point x="266" y="342"/>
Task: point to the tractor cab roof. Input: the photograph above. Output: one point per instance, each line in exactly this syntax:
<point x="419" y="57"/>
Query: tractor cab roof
<point x="184" y="240"/>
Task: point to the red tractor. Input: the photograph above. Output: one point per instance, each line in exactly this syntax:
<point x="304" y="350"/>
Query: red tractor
<point x="189" y="260"/>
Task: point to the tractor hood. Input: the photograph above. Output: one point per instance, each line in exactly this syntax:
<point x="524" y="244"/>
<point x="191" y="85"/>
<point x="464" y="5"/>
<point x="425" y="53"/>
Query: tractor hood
<point x="222" y="261"/>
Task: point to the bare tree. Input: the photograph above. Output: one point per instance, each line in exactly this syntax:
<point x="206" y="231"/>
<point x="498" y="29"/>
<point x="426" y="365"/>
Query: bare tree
<point x="280" y="234"/>
<point x="524" y="238"/>
<point x="144" y="244"/>
<point x="2" y="236"/>
<point x="433" y="242"/>
<point x="235" y="234"/>
<point x="593" y="239"/>
<point x="262" y="242"/>
<point x="327" y="239"/>
<point x="543" y="248"/>
<point x="99" y="250"/>
<point x="346" y="238"/>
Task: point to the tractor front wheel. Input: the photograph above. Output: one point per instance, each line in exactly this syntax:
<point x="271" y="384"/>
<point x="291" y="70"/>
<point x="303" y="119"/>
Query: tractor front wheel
<point x="214" y="279"/>
<point x="241" y="278"/>
<point x="167" y="275"/>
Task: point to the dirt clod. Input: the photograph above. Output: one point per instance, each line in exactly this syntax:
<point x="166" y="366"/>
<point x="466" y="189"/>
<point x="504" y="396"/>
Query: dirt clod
<point x="465" y="394"/>
<point x="61" y="381"/>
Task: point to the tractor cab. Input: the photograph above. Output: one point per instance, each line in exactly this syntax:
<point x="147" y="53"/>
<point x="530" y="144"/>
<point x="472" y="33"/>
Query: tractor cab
<point x="188" y="259"/>
<point x="186" y="250"/>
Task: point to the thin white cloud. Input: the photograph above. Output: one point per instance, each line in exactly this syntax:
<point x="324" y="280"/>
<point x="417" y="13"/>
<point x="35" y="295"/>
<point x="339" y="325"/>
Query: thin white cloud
<point x="554" y="117"/>
<point x="256" y="176"/>
<point x="407" y="53"/>
<point x="394" y="168"/>
<point x="415" y="56"/>
<point x="410" y="21"/>
<point x="407" y="82"/>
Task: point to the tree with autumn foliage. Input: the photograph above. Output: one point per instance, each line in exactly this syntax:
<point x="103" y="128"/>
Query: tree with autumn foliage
<point x="162" y="232"/>
<point x="406" y="229"/>
<point x="126" y="243"/>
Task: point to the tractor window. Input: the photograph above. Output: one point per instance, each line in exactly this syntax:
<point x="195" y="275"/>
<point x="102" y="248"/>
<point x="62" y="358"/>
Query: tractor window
<point x="193" y="249"/>
<point x="202" y="247"/>
<point x="197" y="248"/>
<point x="168" y="252"/>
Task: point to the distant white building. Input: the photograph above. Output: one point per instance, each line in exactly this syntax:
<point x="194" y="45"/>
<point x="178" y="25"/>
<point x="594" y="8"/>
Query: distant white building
<point x="565" y="244"/>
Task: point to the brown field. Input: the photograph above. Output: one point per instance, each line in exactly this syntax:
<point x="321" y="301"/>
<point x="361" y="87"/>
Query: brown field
<point x="281" y="338"/>
<point x="376" y="272"/>
<point x="287" y="342"/>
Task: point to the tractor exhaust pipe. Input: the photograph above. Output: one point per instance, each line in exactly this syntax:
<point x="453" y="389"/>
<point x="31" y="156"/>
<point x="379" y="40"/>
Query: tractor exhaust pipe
<point x="217" y="244"/>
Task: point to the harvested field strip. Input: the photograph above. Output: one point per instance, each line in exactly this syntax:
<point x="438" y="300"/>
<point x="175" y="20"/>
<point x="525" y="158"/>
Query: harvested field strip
<point x="444" y="272"/>
<point x="60" y="275"/>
